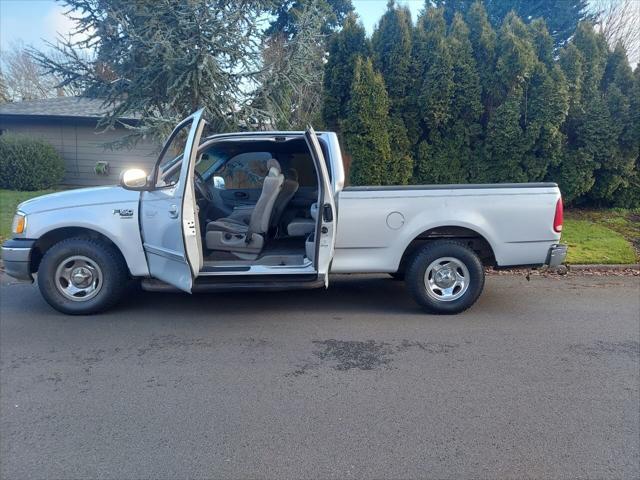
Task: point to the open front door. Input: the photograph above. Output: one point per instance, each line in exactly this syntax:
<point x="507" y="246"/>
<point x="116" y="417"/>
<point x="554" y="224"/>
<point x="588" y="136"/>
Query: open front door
<point x="168" y="211"/>
<point x="326" y="228"/>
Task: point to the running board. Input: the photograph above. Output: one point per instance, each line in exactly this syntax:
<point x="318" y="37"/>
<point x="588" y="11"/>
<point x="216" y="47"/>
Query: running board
<point x="227" y="284"/>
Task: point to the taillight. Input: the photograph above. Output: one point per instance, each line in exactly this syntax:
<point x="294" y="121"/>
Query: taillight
<point x="558" y="218"/>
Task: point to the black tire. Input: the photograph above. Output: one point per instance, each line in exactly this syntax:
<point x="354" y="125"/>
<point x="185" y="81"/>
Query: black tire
<point x="424" y="257"/>
<point x="114" y="275"/>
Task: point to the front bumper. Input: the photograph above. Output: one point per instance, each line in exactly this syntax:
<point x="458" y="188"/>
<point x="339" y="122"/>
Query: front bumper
<point x="557" y="255"/>
<point x="16" y="258"/>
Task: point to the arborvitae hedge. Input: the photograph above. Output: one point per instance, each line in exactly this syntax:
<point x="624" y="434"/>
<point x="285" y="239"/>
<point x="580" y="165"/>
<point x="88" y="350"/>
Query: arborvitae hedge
<point x="366" y="128"/>
<point x="467" y="103"/>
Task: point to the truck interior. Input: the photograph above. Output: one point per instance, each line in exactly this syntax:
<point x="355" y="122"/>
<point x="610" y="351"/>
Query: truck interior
<point x="257" y="203"/>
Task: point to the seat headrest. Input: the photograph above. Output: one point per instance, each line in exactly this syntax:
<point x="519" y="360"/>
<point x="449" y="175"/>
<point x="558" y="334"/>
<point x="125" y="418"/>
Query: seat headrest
<point x="273" y="163"/>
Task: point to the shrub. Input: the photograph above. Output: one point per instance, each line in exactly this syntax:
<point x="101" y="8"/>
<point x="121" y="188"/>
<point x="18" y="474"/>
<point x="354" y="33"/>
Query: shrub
<point x="28" y="164"/>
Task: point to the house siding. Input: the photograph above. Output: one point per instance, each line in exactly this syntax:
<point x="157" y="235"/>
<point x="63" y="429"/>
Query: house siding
<point x="81" y="147"/>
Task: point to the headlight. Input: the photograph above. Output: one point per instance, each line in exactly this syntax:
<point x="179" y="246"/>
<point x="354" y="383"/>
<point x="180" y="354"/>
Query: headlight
<point x="19" y="223"/>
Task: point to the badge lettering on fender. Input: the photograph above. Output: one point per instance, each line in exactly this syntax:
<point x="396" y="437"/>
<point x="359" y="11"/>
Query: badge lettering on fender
<point x="123" y="212"/>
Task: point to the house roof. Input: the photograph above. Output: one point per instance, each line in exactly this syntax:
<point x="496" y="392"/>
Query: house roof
<point x="59" y="107"/>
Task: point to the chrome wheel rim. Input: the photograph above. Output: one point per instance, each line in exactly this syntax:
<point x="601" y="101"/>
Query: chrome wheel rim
<point x="446" y="279"/>
<point x="78" y="278"/>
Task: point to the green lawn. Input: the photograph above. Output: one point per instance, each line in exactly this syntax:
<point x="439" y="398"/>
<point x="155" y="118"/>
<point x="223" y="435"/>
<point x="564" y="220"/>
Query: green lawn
<point x="9" y="200"/>
<point x="602" y="236"/>
<point x="593" y="236"/>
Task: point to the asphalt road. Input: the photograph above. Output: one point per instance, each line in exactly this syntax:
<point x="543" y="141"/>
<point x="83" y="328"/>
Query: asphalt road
<point x="540" y="379"/>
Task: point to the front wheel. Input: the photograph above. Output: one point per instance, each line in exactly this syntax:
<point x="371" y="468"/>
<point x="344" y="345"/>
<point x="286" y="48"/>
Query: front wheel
<point x="445" y="277"/>
<point x="80" y="276"/>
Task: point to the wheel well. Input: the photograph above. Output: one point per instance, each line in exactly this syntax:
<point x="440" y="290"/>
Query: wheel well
<point x="466" y="236"/>
<point x="46" y="241"/>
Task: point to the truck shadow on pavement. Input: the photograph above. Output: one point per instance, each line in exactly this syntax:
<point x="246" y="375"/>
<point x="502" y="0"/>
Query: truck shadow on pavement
<point x="347" y="294"/>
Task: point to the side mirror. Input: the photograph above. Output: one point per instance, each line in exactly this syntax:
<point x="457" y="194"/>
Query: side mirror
<point x="134" y="179"/>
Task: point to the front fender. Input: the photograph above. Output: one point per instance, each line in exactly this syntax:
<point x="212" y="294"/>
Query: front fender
<point x="116" y="221"/>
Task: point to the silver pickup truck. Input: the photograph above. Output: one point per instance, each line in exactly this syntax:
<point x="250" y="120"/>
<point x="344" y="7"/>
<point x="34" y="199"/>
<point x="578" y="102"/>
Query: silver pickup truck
<point x="269" y="210"/>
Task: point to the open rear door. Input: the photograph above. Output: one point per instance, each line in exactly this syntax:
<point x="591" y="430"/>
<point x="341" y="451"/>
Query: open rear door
<point x="326" y="228"/>
<point x="168" y="211"/>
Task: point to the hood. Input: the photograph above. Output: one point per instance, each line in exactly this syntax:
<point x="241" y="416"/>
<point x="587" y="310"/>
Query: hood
<point x="79" y="198"/>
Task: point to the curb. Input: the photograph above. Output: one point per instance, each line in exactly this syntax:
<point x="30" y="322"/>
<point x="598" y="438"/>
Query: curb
<point x="604" y="267"/>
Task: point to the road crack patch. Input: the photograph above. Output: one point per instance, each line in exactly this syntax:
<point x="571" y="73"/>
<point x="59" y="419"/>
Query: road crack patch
<point x="600" y="348"/>
<point x="345" y="355"/>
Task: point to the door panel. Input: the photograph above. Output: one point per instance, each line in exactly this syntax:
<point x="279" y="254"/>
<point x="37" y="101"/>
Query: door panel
<point x="169" y="221"/>
<point x="325" y="240"/>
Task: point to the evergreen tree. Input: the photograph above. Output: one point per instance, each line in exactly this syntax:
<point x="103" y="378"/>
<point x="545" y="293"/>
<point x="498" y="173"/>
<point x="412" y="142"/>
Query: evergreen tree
<point x="628" y="195"/>
<point x="289" y="96"/>
<point x="480" y="106"/>
<point x="505" y="144"/>
<point x="344" y="47"/>
<point x="462" y="133"/>
<point x="618" y="85"/>
<point x="435" y="70"/>
<point x="561" y="16"/>
<point x="391" y="48"/>
<point x="593" y="48"/>
<point x="483" y="41"/>
<point x="466" y="103"/>
<point x="401" y="162"/>
<point x="516" y="55"/>
<point x="587" y="127"/>
<point x="165" y="59"/>
<point x="289" y="15"/>
<point x="545" y="108"/>
<point x="543" y="42"/>
<point x="571" y="62"/>
<point x="444" y="156"/>
<point x="366" y="127"/>
<point x="433" y="90"/>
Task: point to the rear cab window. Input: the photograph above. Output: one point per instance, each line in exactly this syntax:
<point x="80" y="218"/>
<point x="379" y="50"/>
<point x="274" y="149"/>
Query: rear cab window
<point x="243" y="171"/>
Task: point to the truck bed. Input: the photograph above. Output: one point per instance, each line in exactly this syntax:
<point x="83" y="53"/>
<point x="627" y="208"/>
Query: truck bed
<point x="376" y="224"/>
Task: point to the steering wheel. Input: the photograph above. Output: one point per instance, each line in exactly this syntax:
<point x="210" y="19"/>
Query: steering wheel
<point x="201" y="187"/>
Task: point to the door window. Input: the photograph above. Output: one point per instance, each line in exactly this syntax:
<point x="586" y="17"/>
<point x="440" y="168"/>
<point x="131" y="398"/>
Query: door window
<point x="170" y="161"/>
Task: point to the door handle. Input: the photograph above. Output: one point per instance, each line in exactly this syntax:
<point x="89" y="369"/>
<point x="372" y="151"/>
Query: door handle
<point x="241" y="195"/>
<point x="327" y="212"/>
<point x="173" y="211"/>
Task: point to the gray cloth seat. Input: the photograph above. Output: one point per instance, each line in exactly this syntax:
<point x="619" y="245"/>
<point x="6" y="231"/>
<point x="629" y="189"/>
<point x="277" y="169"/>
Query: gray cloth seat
<point x="289" y="189"/>
<point x="301" y="227"/>
<point x="247" y="240"/>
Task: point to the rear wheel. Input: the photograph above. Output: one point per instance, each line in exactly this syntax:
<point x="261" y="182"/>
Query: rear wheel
<point x="445" y="277"/>
<point x="80" y="276"/>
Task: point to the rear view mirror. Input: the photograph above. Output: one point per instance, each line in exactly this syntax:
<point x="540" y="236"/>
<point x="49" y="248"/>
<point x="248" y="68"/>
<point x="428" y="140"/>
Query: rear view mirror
<point x="134" y="179"/>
